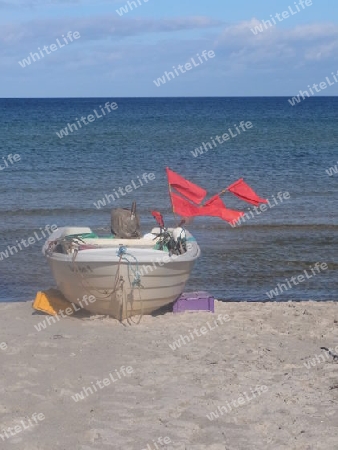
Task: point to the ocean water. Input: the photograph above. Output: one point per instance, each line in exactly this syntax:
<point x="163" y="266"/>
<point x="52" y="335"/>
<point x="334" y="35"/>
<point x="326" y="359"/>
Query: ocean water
<point x="288" y="149"/>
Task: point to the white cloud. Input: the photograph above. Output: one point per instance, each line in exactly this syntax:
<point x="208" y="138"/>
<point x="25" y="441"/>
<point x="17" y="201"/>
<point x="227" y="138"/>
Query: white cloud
<point x="44" y="32"/>
<point x="278" y="45"/>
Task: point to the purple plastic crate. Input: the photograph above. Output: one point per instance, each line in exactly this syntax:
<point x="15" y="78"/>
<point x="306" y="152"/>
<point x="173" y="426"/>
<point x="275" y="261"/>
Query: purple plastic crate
<point x="194" y="301"/>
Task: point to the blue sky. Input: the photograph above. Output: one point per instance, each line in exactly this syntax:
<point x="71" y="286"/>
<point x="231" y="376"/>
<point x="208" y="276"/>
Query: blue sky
<point x="121" y="55"/>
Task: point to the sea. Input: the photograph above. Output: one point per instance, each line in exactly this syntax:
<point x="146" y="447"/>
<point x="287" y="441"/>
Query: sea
<point x="288" y="155"/>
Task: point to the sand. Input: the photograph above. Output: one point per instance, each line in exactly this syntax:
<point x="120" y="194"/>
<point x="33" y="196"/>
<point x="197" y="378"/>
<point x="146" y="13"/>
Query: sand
<point x="251" y="366"/>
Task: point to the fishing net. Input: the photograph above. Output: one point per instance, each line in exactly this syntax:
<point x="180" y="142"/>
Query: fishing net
<point x="125" y="223"/>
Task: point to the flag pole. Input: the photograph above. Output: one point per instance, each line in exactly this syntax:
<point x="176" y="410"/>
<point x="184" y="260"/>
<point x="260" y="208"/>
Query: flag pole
<point x="222" y="192"/>
<point x="172" y="206"/>
<point x="217" y="195"/>
<point x="227" y="189"/>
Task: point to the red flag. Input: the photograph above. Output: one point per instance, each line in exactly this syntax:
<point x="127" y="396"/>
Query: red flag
<point x="215" y="201"/>
<point x="245" y="192"/>
<point x="190" y="190"/>
<point x="214" y="207"/>
<point x="182" y="207"/>
<point x="158" y="217"/>
<point x="229" y="215"/>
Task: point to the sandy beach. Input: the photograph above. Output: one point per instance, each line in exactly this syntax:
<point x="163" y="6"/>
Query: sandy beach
<point x="250" y="376"/>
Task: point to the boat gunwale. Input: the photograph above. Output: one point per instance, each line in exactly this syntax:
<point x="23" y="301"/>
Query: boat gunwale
<point x="144" y="253"/>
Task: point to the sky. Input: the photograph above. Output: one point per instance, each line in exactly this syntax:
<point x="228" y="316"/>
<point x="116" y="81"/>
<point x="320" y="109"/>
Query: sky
<point x="122" y="54"/>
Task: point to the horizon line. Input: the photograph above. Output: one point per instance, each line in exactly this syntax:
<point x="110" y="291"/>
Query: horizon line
<point x="190" y="96"/>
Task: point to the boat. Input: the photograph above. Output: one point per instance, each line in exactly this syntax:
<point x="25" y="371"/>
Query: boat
<point x="124" y="277"/>
<point x="125" y="274"/>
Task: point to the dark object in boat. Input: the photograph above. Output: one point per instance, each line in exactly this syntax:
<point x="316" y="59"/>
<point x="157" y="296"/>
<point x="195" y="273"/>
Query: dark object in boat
<point x="125" y="223"/>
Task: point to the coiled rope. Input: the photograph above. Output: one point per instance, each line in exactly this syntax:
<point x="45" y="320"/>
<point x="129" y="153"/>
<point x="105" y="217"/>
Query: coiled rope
<point x="136" y="282"/>
<point x="118" y="283"/>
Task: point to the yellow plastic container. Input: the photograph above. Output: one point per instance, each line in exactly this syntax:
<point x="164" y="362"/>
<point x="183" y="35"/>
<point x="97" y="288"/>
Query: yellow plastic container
<point x="50" y="302"/>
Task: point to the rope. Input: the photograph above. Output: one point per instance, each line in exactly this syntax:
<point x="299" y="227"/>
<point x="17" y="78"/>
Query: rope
<point x="118" y="283"/>
<point x="104" y="294"/>
<point x="122" y="252"/>
<point x="92" y="290"/>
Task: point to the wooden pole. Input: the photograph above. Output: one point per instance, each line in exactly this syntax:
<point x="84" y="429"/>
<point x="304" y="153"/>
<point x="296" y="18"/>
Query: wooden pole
<point x="172" y="206"/>
<point x="223" y="192"/>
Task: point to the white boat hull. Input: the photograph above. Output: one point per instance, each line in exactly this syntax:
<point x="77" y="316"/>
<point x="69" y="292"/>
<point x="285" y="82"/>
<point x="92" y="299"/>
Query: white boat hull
<point x="142" y="282"/>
